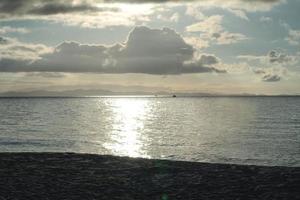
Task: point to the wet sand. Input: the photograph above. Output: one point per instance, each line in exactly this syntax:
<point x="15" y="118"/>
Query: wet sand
<point x="58" y="176"/>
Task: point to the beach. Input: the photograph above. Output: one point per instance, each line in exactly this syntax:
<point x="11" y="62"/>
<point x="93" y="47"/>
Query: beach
<point x="87" y="176"/>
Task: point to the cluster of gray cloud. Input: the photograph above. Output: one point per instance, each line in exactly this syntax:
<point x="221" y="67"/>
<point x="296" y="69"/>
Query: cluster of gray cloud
<point x="268" y="74"/>
<point x="275" y="64"/>
<point x="49" y="7"/>
<point x="271" y="78"/>
<point x="149" y="51"/>
<point x="273" y="74"/>
<point x="275" y="56"/>
<point x="278" y="56"/>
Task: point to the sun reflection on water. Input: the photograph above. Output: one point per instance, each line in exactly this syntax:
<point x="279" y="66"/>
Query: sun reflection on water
<point x="128" y="116"/>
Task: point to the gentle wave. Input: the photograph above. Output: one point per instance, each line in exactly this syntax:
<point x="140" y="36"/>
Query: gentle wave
<point x="244" y="130"/>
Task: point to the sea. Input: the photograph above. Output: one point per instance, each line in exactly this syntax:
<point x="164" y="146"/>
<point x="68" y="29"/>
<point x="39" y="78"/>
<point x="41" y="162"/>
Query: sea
<point x="241" y="130"/>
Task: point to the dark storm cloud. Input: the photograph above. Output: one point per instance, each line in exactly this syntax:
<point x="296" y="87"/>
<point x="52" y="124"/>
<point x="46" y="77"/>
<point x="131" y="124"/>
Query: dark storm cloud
<point x="149" y="51"/>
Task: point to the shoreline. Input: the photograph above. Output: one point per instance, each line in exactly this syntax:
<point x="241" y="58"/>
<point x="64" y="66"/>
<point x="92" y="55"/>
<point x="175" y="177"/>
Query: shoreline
<point x="88" y="176"/>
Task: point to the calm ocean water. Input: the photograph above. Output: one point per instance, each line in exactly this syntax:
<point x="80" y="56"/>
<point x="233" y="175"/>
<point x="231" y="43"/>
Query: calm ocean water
<point x="243" y="130"/>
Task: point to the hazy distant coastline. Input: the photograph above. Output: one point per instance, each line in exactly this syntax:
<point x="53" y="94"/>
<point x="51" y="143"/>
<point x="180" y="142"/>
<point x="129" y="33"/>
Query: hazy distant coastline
<point x="95" y="93"/>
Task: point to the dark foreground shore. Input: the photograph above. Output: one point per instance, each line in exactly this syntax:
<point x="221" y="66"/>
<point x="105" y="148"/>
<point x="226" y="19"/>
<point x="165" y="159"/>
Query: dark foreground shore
<point x="61" y="176"/>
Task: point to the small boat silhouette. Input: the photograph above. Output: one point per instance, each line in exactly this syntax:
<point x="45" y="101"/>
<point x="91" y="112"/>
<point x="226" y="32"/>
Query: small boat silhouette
<point x="174" y="96"/>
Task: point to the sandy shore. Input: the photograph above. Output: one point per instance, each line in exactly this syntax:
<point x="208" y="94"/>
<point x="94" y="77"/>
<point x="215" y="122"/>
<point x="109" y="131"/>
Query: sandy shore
<point x="60" y="176"/>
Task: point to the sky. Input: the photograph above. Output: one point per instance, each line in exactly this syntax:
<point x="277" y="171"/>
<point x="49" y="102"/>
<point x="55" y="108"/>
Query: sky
<point x="195" y="46"/>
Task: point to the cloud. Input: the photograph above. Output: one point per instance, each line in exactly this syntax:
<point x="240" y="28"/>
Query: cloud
<point x="42" y="7"/>
<point x="149" y="51"/>
<point x="237" y="7"/>
<point x="45" y="74"/>
<point x="210" y="29"/>
<point x="48" y="7"/>
<point x="73" y="13"/>
<point x="270" y="74"/>
<point x="197" y="42"/>
<point x="266" y="19"/>
<point x="195" y="12"/>
<point x="102" y="13"/>
<point x="84" y="13"/>
<point x="239" y="13"/>
<point x="168" y="18"/>
<point x="202" y="60"/>
<point x="12" y="49"/>
<point x="275" y="56"/>
<point x="293" y="37"/>
<point x="275" y="64"/>
<point x="8" y="29"/>
<point x="259" y="71"/>
<point x="53" y="8"/>
<point x="15" y="54"/>
<point x="172" y="1"/>
<point x="175" y="17"/>
<point x="3" y="41"/>
<point x="210" y="25"/>
<point x="278" y="56"/>
<point x="271" y="78"/>
<point x="228" y="38"/>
